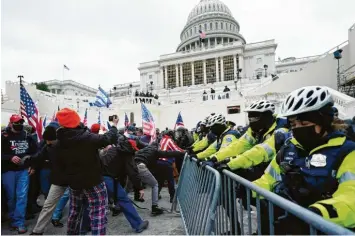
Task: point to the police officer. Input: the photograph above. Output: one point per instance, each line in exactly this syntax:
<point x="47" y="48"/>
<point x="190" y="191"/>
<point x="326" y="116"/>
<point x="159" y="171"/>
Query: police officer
<point x="16" y="146"/>
<point x="316" y="167"/>
<point x="225" y="136"/>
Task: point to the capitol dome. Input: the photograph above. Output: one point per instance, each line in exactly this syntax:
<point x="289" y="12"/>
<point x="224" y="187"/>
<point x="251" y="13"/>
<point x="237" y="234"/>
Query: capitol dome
<point x="215" y="19"/>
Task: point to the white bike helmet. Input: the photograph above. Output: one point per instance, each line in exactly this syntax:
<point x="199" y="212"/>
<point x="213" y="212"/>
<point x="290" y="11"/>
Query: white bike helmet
<point x="261" y="106"/>
<point x="216" y="119"/>
<point x="306" y="99"/>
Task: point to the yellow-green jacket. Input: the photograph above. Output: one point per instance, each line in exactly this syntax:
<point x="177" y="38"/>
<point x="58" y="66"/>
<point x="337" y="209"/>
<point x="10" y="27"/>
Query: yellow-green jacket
<point x="226" y="138"/>
<point x="340" y="208"/>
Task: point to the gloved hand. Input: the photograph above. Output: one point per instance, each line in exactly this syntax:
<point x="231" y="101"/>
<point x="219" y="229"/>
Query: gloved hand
<point x="206" y="163"/>
<point x="213" y="159"/>
<point x="198" y="162"/>
<point x="190" y="150"/>
<point x="315" y="210"/>
<point x="222" y="167"/>
<point x="225" y="161"/>
<point x="192" y="155"/>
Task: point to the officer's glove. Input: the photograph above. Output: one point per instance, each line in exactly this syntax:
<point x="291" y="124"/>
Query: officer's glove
<point x="222" y="167"/>
<point x="206" y="163"/>
<point x="213" y="159"/>
<point x="192" y="155"/>
<point x="315" y="210"/>
<point x="190" y="150"/>
<point x="198" y="162"/>
<point x="225" y="161"/>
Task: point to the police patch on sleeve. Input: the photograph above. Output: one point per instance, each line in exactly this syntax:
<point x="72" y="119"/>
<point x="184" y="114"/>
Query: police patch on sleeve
<point x="229" y="139"/>
<point x="318" y="160"/>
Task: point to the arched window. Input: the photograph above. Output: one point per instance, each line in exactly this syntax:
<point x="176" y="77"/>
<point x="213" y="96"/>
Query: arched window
<point x="214" y="7"/>
<point x="205" y="26"/>
<point x="191" y="31"/>
<point x="211" y="26"/>
<point x="221" y="25"/>
<point x="230" y="26"/>
<point x="209" y="7"/>
<point x="195" y="30"/>
<point x="199" y="27"/>
<point x="216" y="25"/>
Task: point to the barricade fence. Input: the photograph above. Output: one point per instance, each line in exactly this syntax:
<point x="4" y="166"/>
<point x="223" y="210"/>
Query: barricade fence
<point x="196" y="196"/>
<point x="212" y="203"/>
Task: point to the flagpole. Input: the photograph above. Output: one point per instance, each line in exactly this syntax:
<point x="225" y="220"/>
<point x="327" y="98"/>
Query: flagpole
<point x="20" y="77"/>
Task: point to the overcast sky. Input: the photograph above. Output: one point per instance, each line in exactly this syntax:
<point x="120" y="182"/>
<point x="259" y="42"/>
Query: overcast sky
<point x="103" y="41"/>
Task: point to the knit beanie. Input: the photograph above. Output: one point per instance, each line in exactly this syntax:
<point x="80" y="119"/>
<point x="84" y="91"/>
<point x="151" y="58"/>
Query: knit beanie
<point x="95" y="128"/>
<point x="68" y="118"/>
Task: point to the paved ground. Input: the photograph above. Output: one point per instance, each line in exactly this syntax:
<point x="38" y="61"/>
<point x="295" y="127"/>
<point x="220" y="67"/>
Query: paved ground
<point x="166" y="224"/>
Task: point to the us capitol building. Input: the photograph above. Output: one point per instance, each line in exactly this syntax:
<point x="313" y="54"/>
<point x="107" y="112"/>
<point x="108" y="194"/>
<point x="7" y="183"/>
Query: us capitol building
<point x="223" y="56"/>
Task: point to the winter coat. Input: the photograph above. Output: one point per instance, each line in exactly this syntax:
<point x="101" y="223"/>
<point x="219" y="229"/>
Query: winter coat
<point x="79" y="151"/>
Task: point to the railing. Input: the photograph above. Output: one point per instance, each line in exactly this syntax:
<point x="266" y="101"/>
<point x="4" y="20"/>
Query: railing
<point x="275" y="215"/>
<point x="210" y="204"/>
<point x="196" y="196"/>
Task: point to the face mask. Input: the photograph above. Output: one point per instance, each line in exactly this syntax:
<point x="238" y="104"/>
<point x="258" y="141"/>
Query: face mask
<point x="17" y="127"/>
<point x="216" y="129"/>
<point x="256" y="126"/>
<point x="307" y="137"/>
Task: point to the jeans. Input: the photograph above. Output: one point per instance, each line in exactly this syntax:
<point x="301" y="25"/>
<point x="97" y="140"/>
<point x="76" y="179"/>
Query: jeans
<point x="125" y="203"/>
<point x="16" y="187"/>
<point x="148" y="178"/>
<point x="165" y="172"/>
<point x="44" y="180"/>
<point x="57" y="215"/>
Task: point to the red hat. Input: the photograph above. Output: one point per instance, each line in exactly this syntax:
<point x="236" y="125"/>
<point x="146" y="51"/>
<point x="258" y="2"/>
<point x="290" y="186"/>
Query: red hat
<point x="68" y="118"/>
<point x="95" y="128"/>
<point x="16" y="118"/>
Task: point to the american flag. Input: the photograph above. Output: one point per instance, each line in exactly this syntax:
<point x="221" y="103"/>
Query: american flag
<point x="179" y="121"/>
<point x="85" y="121"/>
<point x="202" y="35"/>
<point x="126" y="121"/>
<point x="148" y="123"/>
<point x="29" y="110"/>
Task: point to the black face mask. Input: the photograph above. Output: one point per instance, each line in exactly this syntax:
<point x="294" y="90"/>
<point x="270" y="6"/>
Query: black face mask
<point x="308" y="138"/>
<point x="218" y="129"/>
<point x="17" y="127"/>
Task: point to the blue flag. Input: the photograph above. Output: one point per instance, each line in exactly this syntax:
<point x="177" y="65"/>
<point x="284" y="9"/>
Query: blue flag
<point x="102" y="99"/>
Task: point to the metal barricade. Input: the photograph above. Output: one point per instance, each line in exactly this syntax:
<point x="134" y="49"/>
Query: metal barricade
<point x="196" y="196"/>
<point x="237" y="215"/>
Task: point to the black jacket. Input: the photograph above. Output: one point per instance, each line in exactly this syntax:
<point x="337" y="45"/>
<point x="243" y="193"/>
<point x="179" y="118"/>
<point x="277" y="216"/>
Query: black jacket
<point x="16" y="144"/>
<point x="48" y="157"/>
<point x="118" y="162"/>
<point x="79" y="153"/>
<point x="150" y="155"/>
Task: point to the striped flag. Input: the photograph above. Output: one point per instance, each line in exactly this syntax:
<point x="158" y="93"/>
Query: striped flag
<point x="126" y="121"/>
<point x="30" y="111"/>
<point x="179" y="122"/>
<point x="85" y="121"/>
<point x="45" y="121"/>
<point x="148" y="123"/>
<point x="102" y="99"/>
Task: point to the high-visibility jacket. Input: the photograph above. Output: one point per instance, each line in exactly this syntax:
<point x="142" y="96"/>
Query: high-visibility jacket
<point x="195" y="136"/>
<point x="328" y="171"/>
<point x="226" y="138"/>
<point x="254" y="150"/>
<point x="202" y="144"/>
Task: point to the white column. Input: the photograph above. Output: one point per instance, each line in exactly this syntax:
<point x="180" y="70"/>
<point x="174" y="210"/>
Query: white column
<point x="196" y="45"/>
<point x="166" y="77"/>
<point x="159" y="81"/>
<point x="215" y="41"/>
<point x="209" y="42"/>
<point x="241" y="66"/>
<point x="204" y="72"/>
<point x="235" y="65"/>
<point x="181" y="77"/>
<point x="217" y="72"/>
<point x="192" y="73"/>
<point x="177" y="75"/>
<point x="222" y="70"/>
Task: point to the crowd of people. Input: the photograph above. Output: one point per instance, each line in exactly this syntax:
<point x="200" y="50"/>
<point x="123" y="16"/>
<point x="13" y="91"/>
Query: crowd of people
<point x="142" y="97"/>
<point x="305" y="154"/>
